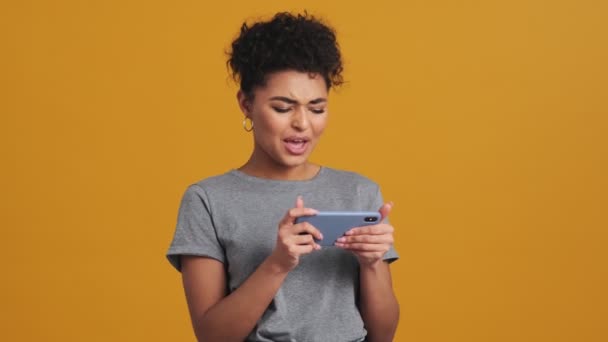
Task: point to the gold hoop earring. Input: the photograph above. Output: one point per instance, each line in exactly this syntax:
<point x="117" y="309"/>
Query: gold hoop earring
<point x="245" y="124"/>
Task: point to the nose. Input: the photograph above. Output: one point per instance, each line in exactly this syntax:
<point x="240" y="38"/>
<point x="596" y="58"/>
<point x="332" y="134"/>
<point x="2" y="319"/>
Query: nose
<point x="300" y="120"/>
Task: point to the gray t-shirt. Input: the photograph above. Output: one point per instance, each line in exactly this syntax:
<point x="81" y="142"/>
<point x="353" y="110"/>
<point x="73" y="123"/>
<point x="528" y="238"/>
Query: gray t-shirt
<point x="234" y="218"/>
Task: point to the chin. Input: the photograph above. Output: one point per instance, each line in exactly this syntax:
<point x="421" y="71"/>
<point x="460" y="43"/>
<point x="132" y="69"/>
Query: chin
<point x="293" y="161"/>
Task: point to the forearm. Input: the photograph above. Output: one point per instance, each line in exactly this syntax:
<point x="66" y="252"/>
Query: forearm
<point x="378" y="304"/>
<point x="235" y="316"/>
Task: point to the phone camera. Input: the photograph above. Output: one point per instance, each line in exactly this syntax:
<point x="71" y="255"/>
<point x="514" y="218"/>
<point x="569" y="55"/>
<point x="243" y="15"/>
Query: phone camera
<point x="371" y="219"/>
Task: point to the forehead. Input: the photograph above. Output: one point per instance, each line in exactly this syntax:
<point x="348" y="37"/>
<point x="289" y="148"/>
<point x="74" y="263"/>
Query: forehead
<point x="301" y="86"/>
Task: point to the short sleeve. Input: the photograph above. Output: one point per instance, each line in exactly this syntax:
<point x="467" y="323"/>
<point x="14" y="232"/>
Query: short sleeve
<point x="391" y="255"/>
<point x="194" y="233"/>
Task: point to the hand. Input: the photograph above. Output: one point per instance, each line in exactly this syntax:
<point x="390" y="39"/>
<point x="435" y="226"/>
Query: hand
<point x="293" y="239"/>
<point x="369" y="243"/>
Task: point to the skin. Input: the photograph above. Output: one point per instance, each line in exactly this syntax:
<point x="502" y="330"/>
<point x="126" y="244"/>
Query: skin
<point x="275" y="118"/>
<point x="301" y="108"/>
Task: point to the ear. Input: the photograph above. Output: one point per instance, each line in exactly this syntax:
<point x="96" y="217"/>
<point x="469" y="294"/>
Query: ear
<point x="244" y="103"/>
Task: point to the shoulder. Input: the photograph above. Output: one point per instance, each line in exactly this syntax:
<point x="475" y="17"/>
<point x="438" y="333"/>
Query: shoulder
<point x="216" y="180"/>
<point x="350" y="179"/>
<point x="202" y="187"/>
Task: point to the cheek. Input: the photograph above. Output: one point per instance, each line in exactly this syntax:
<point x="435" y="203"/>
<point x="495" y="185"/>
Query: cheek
<point x="319" y="125"/>
<point x="268" y="127"/>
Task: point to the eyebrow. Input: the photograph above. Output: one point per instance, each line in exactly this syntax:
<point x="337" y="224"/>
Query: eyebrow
<point x="292" y="101"/>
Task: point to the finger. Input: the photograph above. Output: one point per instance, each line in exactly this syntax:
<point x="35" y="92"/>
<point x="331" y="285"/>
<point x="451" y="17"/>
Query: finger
<point x="307" y="228"/>
<point x="303" y="249"/>
<point x="363" y="247"/>
<point x="304" y="239"/>
<point x="384" y="239"/>
<point x="293" y="213"/>
<point x="376" y="229"/>
<point x="299" y="202"/>
<point x="385" y="209"/>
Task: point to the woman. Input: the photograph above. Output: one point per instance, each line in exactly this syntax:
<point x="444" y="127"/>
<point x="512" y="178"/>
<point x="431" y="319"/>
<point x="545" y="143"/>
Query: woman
<point x="249" y="271"/>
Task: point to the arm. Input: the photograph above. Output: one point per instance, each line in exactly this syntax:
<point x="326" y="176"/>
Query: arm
<point x="217" y="316"/>
<point x="378" y="304"/>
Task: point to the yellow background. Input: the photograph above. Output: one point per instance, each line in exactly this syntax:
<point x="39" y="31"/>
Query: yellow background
<point x="484" y="121"/>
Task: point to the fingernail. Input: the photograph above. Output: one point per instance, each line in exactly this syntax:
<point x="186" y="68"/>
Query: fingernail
<point x="342" y="239"/>
<point x="348" y="232"/>
<point x="321" y="236"/>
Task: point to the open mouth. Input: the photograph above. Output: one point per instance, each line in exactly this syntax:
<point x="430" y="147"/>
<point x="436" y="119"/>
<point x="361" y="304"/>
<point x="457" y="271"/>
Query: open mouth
<point x="296" y="145"/>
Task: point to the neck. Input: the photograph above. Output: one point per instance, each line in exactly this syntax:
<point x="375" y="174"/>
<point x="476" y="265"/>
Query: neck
<point x="265" y="167"/>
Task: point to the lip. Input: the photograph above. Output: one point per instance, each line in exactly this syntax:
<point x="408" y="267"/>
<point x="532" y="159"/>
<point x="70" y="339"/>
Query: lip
<point x="296" y="149"/>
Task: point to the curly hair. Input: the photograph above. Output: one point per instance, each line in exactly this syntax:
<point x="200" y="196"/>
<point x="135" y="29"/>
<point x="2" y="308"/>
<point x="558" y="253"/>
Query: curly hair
<point x="286" y="42"/>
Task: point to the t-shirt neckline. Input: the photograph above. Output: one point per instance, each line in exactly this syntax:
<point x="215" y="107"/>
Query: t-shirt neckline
<point x="248" y="177"/>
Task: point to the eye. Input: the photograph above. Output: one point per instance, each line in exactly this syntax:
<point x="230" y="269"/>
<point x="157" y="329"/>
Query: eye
<point x="281" y="110"/>
<point x="318" y="110"/>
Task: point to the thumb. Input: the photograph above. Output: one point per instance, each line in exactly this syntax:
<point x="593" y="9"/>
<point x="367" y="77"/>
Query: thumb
<point x="299" y="202"/>
<point x="385" y="209"/>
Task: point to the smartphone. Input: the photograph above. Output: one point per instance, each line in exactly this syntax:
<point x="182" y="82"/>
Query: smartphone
<point x="333" y="224"/>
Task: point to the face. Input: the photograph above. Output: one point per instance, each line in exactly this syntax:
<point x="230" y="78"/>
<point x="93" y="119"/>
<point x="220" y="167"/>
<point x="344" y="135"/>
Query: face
<point x="289" y="114"/>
